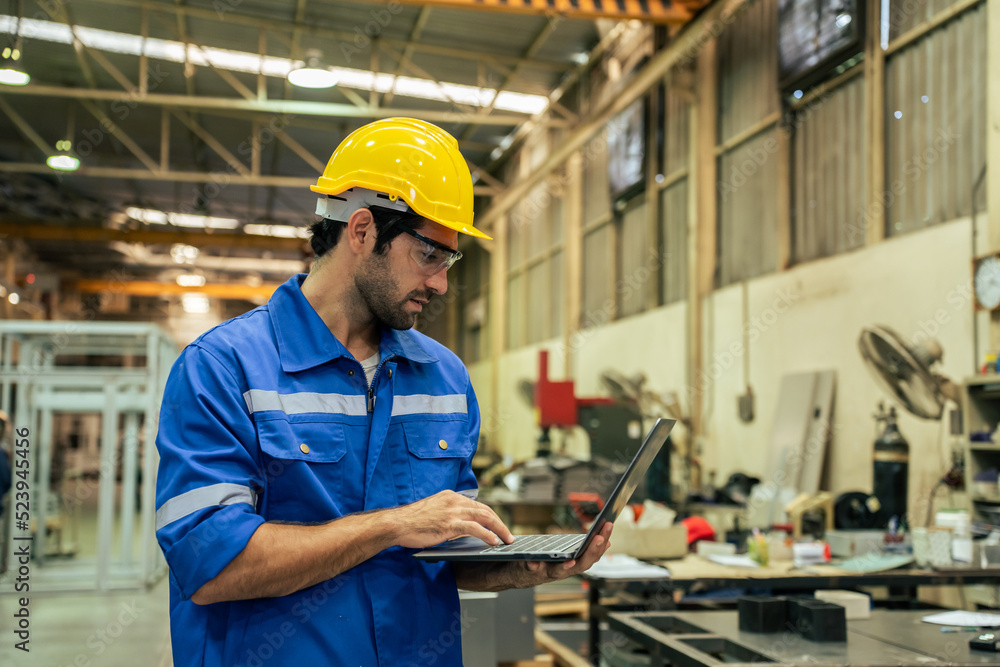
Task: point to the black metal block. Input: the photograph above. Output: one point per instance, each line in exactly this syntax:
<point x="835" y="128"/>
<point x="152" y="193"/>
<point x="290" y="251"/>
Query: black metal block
<point x="820" y="621"/>
<point x="759" y="613"/>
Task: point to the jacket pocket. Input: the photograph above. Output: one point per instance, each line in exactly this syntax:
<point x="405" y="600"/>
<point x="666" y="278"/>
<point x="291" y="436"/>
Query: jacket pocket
<point x="303" y="464"/>
<point x="438" y="450"/>
<point x="314" y="441"/>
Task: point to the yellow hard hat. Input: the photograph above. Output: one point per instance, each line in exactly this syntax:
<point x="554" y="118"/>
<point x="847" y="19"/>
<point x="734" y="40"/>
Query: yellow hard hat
<point x="410" y="159"/>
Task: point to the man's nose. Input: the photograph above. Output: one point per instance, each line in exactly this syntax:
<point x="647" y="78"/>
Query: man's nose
<point x="438" y="283"/>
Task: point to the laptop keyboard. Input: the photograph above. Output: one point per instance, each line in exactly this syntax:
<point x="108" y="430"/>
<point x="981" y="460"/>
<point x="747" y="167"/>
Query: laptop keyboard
<point x="538" y="544"/>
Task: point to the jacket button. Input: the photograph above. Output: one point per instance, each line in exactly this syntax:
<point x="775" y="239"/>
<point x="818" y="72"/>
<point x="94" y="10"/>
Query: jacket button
<point x="442" y="444"/>
<point x="304" y="447"/>
<point x="390" y="372"/>
<point x="351" y="372"/>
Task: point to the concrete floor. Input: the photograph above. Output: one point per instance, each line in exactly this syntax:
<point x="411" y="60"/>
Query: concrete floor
<point x="118" y="629"/>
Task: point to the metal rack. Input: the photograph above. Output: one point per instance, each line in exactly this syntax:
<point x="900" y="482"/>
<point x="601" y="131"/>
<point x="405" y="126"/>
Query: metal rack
<point x="111" y="372"/>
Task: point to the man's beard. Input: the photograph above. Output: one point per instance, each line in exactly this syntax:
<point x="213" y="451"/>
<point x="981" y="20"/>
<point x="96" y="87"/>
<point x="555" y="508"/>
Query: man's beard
<point x="377" y="287"/>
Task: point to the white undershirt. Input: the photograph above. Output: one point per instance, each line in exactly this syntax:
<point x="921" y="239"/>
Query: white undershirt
<point x="369" y="365"/>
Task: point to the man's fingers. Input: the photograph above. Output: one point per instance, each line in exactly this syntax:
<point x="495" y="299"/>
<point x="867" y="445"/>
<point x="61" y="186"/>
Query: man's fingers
<point x="487" y="517"/>
<point x="477" y="530"/>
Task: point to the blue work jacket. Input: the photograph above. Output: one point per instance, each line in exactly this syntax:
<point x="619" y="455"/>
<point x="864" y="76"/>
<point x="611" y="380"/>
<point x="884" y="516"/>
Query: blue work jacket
<point x="267" y="417"/>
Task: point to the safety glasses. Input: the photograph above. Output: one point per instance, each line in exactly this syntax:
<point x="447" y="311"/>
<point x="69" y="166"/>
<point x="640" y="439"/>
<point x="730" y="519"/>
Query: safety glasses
<point x="430" y="255"/>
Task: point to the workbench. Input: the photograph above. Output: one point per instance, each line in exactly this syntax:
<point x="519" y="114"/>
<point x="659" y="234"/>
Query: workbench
<point x="708" y="638"/>
<point x="693" y="574"/>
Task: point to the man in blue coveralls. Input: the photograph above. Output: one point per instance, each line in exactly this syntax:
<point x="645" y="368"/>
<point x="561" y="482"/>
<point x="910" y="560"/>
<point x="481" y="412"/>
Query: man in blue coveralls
<point x="308" y="447"/>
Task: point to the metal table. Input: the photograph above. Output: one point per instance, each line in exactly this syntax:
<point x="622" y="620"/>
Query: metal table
<point x="708" y="638"/>
<point x="693" y="574"/>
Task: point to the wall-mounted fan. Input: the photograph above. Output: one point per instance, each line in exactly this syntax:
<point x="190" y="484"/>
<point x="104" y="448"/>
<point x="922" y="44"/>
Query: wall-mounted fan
<point x="907" y="371"/>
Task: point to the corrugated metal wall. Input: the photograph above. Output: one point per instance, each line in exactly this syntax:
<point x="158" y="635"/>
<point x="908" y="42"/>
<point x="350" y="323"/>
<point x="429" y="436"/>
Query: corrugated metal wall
<point x="748" y="69"/>
<point x="633" y="283"/>
<point x="674" y="233"/>
<point x="537" y="302"/>
<point x="829" y="174"/>
<point x="676" y="132"/>
<point x="935" y="124"/>
<point x="516" y="311"/>
<point x="748" y="204"/>
<point x="907" y="14"/>
<point x="748" y="93"/>
<point x="597" y="263"/>
<point x="596" y="194"/>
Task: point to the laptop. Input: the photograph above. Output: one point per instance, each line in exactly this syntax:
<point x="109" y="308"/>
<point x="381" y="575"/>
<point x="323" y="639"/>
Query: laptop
<point x="558" y="547"/>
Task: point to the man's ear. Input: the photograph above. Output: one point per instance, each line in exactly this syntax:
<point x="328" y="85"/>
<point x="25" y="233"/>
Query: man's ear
<point x="360" y="230"/>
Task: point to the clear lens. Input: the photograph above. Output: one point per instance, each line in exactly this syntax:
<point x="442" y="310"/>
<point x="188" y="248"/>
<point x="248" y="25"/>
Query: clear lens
<point x="430" y="258"/>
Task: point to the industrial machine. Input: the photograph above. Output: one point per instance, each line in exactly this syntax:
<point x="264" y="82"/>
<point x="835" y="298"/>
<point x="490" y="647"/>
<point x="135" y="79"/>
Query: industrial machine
<point x="613" y="424"/>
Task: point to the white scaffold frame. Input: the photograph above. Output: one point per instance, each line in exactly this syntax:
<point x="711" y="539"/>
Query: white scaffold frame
<point x="35" y="387"/>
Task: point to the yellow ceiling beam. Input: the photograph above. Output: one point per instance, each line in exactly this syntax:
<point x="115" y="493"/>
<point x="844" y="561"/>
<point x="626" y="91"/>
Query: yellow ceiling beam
<point x="158" y="289"/>
<point x="34" y="231"/>
<point x="653" y="11"/>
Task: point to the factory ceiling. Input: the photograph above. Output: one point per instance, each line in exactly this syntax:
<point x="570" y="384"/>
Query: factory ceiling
<point x="185" y="122"/>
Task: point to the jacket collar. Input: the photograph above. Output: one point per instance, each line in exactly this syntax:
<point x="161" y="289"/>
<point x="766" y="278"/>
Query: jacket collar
<point x="304" y="340"/>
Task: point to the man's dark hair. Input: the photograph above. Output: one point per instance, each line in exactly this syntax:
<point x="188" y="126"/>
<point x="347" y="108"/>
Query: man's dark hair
<point x="388" y="225"/>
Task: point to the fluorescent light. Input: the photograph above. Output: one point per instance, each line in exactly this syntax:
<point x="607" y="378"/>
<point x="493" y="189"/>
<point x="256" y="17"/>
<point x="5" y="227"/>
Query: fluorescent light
<point x="147" y="215"/>
<point x="241" y="61"/>
<point x="152" y="216"/>
<point x="63" y="162"/>
<point x="201" y="221"/>
<point x="191" y="280"/>
<point x="14" y="77"/>
<point x="14" y="298"/>
<point x="312" y="77"/>
<point x="183" y="254"/>
<point x="280" y="231"/>
<point x="196" y="304"/>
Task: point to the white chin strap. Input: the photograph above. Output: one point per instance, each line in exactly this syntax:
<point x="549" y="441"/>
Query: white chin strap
<point x="340" y="207"/>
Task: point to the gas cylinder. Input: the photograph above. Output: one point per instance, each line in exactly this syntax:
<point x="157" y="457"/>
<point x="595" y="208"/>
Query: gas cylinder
<point x="891" y="470"/>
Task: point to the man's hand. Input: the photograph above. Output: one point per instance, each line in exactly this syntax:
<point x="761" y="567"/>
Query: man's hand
<point x="445" y="516"/>
<point x="543" y="572"/>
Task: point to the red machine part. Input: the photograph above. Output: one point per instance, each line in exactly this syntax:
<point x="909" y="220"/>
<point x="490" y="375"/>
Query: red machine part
<point x="556" y="402"/>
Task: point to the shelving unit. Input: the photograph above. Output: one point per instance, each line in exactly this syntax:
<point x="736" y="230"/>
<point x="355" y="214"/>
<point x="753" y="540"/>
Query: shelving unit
<point x="981" y="412"/>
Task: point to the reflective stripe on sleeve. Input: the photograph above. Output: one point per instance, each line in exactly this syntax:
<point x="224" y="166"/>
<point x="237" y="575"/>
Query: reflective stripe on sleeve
<point x="302" y="402"/>
<point x="427" y="404"/>
<point x="191" y="501"/>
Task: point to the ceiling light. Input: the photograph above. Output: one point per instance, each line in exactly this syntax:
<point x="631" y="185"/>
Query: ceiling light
<point x="10" y="76"/>
<point x="191" y="280"/>
<point x="196" y="304"/>
<point x="843" y="20"/>
<point x="280" y="231"/>
<point x="183" y="254"/>
<point x="63" y="162"/>
<point x="153" y="216"/>
<point x="205" y="221"/>
<point x="312" y="74"/>
<point x="13" y="298"/>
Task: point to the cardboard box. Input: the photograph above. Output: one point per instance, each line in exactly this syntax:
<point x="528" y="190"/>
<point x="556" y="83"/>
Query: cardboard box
<point x="649" y="542"/>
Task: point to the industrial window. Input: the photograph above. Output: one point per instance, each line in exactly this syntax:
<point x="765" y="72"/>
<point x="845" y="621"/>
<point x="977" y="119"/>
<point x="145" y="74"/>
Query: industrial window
<point x="829" y="174"/>
<point x="935" y="126"/>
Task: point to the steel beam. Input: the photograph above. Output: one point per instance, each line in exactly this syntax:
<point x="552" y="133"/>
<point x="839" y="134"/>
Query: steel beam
<point x="512" y="75"/>
<point x="26" y="130"/>
<point x="230" y="291"/>
<point x="36" y="232"/>
<point x="120" y="135"/>
<point x="293" y="107"/>
<point x="187" y="176"/>
<point x="411" y="42"/>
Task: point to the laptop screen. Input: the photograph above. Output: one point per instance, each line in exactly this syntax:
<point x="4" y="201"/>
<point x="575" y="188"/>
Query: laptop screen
<point x="631" y="479"/>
